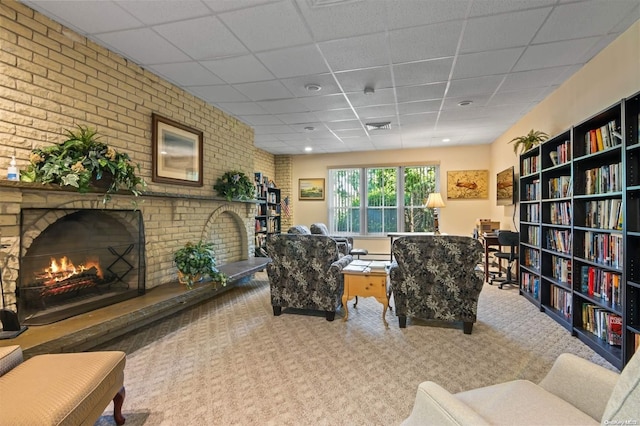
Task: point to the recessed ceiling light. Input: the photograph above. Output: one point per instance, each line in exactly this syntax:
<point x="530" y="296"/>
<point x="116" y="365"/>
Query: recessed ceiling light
<point x="446" y="140"/>
<point x="464" y="103"/>
<point x="308" y="149"/>
<point x="309" y="128"/>
<point x="369" y="90"/>
<point x="312" y="87"/>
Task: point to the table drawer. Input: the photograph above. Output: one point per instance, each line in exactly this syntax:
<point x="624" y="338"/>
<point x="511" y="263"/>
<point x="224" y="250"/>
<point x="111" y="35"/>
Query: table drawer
<point x="367" y="284"/>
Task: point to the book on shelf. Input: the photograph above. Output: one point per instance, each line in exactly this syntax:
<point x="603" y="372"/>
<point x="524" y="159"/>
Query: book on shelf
<point x="601" y="138"/>
<point x="601" y="284"/>
<point x="605" y="325"/>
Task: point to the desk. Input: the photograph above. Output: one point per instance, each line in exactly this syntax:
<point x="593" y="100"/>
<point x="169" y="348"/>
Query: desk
<point x="489" y="240"/>
<point x="393" y="235"/>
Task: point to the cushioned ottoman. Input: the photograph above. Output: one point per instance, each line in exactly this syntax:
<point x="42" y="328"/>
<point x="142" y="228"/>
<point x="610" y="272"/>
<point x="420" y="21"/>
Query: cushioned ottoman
<point x="61" y="389"/>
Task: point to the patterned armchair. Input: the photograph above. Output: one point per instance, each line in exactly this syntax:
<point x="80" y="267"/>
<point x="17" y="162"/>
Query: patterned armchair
<point x="345" y="244"/>
<point x="435" y="277"/>
<point x="305" y="274"/>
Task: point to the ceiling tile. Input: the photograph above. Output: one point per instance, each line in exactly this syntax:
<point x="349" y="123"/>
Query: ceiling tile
<point x="534" y="78"/>
<point x="241" y="108"/>
<point x="261" y="120"/>
<point x="380" y="97"/>
<point x="412" y="120"/>
<point x="474" y="86"/>
<point x="478" y="100"/>
<point x="516" y="29"/>
<point x="294" y="61"/>
<point x="425" y="42"/>
<point x="263" y="90"/>
<point x="273" y="130"/>
<point x="517" y="96"/>
<point x="282" y="106"/>
<point x="297" y="118"/>
<point x="296" y="85"/>
<point x="261" y="27"/>
<point x="164" y="11"/>
<point x="225" y="6"/>
<point x="388" y="112"/>
<point x="217" y="94"/>
<point x="145" y="45"/>
<point x="491" y="7"/>
<point x="336" y="115"/>
<point x="486" y="63"/>
<point x="186" y="74"/>
<point x="436" y="70"/>
<point x="409" y="13"/>
<point x="343" y="20"/>
<point x="420" y="106"/>
<point x="577" y="20"/>
<point x="356" y="52"/>
<point x="554" y="54"/>
<point x="241" y="69"/>
<point x="318" y="103"/>
<point x="355" y="81"/>
<point x="345" y="125"/>
<point x="422" y="92"/>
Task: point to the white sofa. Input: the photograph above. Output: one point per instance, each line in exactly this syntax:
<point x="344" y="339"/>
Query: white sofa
<point x="574" y="392"/>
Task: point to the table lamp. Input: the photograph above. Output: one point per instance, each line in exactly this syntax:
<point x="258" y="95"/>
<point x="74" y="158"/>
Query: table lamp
<point x="435" y="202"/>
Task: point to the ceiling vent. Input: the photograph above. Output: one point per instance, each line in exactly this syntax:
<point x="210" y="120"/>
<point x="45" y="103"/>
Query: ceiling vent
<point x="383" y="125"/>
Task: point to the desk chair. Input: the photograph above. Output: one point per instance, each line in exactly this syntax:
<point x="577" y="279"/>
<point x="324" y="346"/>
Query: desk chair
<point x="509" y="239"/>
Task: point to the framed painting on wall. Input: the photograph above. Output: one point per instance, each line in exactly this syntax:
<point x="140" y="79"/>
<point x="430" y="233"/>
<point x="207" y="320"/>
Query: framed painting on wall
<point x="311" y="189"/>
<point x="177" y="152"/>
<point x="465" y="184"/>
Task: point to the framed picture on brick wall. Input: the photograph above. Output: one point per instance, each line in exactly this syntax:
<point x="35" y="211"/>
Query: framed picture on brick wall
<point x="177" y="152"/>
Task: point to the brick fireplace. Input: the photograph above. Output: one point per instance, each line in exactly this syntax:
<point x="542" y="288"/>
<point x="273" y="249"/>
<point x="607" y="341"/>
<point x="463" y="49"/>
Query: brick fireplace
<point x="42" y="229"/>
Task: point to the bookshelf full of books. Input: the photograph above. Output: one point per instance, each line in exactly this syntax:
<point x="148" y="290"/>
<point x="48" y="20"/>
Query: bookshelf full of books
<point x="267" y="216"/>
<point x="580" y="230"/>
<point x="530" y="225"/>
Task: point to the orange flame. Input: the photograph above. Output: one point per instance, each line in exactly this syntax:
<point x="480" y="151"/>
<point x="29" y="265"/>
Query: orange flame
<point x="63" y="269"/>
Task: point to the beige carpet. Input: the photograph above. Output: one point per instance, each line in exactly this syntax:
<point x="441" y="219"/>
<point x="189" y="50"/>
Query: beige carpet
<point x="229" y="361"/>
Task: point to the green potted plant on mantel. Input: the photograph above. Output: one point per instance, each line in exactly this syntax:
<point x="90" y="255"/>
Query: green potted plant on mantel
<point x="528" y="141"/>
<point x="197" y="261"/>
<point x="235" y="185"/>
<point x="85" y="163"/>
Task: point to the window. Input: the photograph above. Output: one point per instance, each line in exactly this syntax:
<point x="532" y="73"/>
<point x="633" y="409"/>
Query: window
<point x="394" y="198"/>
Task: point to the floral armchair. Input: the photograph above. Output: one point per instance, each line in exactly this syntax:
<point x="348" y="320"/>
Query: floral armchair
<point x="345" y="244"/>
<point x="436" y="277"/>
<point x="305" y="274"/>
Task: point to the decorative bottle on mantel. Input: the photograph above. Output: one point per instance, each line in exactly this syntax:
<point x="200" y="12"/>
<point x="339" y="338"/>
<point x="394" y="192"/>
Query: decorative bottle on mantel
<point x="12" y="171"/>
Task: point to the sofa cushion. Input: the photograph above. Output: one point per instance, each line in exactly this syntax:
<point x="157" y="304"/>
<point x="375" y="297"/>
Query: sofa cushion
<point x="70" y="388"/>
<point x="10" y="356"/>
<point x="624" y="403"/>
<point x="522" y="402"/>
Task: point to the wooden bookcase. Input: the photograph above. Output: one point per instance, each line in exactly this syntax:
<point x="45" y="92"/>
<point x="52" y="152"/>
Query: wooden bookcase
<point x="268" y="221"/>
<point x="580" y="230"/>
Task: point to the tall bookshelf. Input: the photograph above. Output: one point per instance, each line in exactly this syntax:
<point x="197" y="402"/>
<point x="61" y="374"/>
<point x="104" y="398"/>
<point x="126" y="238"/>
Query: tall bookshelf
<point x="267" y="217"/>
<point x="580" y="230"/>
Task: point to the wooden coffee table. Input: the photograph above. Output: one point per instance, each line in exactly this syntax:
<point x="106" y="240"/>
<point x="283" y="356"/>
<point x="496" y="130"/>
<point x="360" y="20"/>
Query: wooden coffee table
<point x="366" y="279"/>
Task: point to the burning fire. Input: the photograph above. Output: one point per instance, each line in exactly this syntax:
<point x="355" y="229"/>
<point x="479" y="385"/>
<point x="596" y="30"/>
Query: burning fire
<point x="64" y="269"/>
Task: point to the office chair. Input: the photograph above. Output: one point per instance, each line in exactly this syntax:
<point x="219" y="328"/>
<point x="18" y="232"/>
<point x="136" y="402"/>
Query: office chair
<point x="510" y="239"/>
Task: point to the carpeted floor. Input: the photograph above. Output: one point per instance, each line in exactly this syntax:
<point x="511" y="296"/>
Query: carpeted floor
<point x="229" y="361"/>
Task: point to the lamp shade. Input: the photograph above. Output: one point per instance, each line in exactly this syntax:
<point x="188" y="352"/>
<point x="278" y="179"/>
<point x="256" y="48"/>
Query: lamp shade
<point x="434" y="200"/>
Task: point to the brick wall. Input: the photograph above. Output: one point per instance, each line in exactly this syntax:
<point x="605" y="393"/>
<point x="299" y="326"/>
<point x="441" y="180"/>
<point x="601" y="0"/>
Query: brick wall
<point x="284" y="175"/>
<point x="52" y="79"/>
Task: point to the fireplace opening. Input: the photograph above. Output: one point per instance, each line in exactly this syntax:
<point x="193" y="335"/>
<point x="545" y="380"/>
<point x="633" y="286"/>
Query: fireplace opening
<point x="81" y="261"/>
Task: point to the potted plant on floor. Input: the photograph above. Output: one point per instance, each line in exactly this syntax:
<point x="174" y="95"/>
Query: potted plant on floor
<point x="197" y="261"/>
<point x="528" y="141"/>
<point x="235" y="185"/>
<point x="85" y="163"/>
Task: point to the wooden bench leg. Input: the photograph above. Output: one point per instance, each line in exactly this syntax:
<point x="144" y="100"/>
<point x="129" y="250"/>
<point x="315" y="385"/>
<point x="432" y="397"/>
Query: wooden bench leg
<point x="117" y="407"/>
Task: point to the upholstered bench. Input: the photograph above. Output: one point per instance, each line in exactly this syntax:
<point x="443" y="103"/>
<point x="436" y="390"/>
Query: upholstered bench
<point x="60" y="389"/>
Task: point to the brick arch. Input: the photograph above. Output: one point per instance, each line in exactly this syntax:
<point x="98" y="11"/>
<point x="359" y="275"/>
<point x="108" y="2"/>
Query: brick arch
<point x="229" y="231"/>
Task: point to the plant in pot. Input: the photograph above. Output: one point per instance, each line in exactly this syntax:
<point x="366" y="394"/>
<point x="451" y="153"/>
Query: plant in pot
<point x="84" y="162"/>
<point x="528" y="141"/>
<point x="235" y="185"/>
<point x="196" y="261"/>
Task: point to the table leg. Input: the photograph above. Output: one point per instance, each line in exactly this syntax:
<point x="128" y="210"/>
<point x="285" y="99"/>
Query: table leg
<point x="486" y="262"/>
<point x="385" y="304"/>
<point x="344" y="305"/>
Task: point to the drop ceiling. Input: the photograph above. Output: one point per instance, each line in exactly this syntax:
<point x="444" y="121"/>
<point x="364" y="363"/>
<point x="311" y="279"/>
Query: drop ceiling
<point x="419" y="60"/>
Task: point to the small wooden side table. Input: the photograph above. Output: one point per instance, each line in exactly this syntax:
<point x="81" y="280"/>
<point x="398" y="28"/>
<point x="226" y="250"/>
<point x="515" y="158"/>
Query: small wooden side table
<point x="364" y="282"/>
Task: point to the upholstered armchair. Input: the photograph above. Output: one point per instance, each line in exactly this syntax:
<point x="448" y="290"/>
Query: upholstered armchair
<point x="345" y="244"/>
<point x="435" y="277"/>
<point x="305" y="274"/>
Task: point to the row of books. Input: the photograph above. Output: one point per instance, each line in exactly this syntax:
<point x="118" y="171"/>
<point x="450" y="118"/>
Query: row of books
<point x="530" y="283"/>
<point x="532" y="213"/>
<point x="270" y="225"/>
<point x="603" y="324"/>
<point x="531" y="258"/>
<point x="604" y="214"/>
<point x="560" y="213"/>
<point x="561" y="269"/>
<point x="601" y="284"/>
<point x="561" y="154"/>
<point x="530" y="165"/>
<point x="532" y="190"/>
<point x="532" y="236"/>
<point x="602" y="138"/>
<point x="605" y="249"/>
<point x="603" y="179"/>
<point x="560" y="187"/>
<point x="559" y="240"/>
<point x="561" y="301"/>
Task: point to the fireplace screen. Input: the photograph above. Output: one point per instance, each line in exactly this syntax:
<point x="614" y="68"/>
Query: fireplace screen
<point x="81" y="260"/>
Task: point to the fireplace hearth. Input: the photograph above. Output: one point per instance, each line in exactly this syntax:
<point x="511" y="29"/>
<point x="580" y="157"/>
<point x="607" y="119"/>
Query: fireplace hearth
<point x="81" y="260"/>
